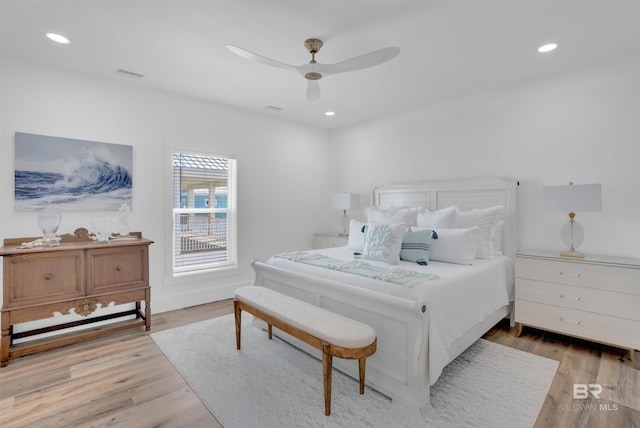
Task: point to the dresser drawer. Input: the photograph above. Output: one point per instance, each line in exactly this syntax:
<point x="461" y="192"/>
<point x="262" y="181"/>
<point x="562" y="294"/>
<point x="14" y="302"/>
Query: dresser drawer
<point x="37" y="278"/>
<point x="611" y="303"/>
<point x="117" y="269"/>
<point x="611" y="278"/>
<point x="602" y="328"/>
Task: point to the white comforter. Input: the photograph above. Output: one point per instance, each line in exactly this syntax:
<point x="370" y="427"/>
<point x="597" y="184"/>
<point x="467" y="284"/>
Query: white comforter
<point x="463" y="296"/>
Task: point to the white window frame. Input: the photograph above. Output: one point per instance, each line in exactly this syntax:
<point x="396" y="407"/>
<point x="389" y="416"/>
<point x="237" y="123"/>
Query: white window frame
<point x="230" y="235"/>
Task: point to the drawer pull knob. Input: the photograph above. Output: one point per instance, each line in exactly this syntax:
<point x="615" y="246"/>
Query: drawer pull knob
<point x="570" y="321"/>
<point x="118" y="268"/>
<point x="579" y="299"/>
<point x="579" y="275"/>
<point x="48" y="276"/>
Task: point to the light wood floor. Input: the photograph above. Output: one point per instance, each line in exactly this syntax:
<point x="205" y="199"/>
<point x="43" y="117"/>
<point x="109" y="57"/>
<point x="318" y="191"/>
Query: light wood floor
<point x="582" y="362"/>
<point x="123" y="380"/>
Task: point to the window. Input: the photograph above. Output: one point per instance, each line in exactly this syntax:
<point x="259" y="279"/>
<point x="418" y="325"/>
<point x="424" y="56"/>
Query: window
<point x="204" y="212"/>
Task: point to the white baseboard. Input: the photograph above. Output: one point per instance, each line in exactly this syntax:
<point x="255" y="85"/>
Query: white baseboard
<point x="173" y="301"/>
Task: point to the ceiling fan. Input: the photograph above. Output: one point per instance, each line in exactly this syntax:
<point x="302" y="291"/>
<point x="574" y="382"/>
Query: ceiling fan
<point x="314" y="71"/>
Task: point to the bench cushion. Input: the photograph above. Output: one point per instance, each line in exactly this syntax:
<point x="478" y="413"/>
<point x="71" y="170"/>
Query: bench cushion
<point x="321" y="323"/>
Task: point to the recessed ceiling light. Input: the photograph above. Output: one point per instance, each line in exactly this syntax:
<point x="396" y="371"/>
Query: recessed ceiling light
<point x="548" y="47"/>
<point x="58" y="38"/>
<point x="329" y="113"/>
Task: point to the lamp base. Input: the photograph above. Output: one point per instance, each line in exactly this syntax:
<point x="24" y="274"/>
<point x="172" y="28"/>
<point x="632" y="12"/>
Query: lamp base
<point x="345" y="224"/>
<point x="572" y="254"/>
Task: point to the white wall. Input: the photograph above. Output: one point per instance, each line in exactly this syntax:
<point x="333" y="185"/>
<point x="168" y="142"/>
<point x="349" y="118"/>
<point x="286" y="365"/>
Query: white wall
<point x="582" y="126"/>
<point x="283" y="168"/>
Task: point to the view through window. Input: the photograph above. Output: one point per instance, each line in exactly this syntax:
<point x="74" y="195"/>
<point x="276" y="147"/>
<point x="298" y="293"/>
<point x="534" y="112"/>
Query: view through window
<point x="204" y="212"/>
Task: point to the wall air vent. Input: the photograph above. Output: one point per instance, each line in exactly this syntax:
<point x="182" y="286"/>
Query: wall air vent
<point x="129" y="74"/>
<point x="273" y="108"/>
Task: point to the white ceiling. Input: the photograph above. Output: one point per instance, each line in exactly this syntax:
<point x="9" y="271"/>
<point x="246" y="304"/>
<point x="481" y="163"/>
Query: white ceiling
<point x="449" y="47"/>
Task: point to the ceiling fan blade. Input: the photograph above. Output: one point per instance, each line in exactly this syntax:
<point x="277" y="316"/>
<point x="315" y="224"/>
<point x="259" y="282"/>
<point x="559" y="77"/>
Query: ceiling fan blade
<point x="313" y="90"/>
<point x="358" y="63"/>
<point x="259" y="58"/>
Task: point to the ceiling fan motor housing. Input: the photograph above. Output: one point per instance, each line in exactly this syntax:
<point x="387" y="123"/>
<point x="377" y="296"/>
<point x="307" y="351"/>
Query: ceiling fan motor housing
<point x="313" y="45"/>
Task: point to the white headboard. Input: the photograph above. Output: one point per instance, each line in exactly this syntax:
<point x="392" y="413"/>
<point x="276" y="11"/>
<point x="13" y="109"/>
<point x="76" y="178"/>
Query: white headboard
<point x="466" y="194"/>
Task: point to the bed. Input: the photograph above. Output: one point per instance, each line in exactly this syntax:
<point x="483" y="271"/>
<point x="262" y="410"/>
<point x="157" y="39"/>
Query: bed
<point x="422" y="327"/>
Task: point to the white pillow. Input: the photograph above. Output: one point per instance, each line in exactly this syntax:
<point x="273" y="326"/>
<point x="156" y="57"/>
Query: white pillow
<point x="486" y="219"/>
<point x="455" y="245"/>
<point x="443" y="218"/>
<point x="404" y="215"/>
<point x="383" y="242"/>
<point x="356" y="235"/>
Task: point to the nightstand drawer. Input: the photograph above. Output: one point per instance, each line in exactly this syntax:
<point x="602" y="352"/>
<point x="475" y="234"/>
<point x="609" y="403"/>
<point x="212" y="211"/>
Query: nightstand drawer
<point x="582" y="274"/>
<point x="603" y="328"/>
<point x="580" y="298"/>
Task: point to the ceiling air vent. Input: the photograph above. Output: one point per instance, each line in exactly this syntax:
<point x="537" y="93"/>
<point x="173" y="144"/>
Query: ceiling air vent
<point x="129" y="74"/>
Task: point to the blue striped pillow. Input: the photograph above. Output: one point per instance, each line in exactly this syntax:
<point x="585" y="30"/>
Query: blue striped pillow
<point x="416" y="244"/>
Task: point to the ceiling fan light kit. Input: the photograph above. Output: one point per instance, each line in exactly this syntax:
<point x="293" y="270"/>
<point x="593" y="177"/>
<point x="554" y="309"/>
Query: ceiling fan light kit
<point x="318" y="70"/>
<point x="312" y="75"/>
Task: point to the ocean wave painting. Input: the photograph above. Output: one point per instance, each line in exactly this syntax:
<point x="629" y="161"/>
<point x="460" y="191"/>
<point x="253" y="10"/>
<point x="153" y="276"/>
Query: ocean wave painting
<point x="72" y="175"/>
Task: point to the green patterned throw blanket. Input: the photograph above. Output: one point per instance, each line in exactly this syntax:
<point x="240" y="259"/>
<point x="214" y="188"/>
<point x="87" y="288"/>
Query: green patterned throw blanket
<point x="404" y="277"/>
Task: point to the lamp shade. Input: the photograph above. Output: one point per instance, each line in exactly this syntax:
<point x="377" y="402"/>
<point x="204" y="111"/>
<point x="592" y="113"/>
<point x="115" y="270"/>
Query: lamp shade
<point x="345" y="201"/>
<point x="572" y="198"/>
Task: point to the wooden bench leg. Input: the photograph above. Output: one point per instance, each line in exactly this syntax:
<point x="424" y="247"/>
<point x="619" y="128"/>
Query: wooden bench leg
<point x="327" y="368"/>
<point x="269" y="329"/>
<point x="362" y="362"/>
<point x="238" y="315"/>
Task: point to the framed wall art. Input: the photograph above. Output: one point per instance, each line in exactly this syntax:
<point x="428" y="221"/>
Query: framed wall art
<point x="70" y="174"/>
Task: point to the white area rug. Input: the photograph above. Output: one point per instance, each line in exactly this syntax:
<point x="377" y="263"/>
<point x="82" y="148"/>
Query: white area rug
<point x="272" y="384"/>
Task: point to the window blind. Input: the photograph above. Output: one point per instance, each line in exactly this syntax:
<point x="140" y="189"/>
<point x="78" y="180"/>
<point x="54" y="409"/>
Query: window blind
<point x="204" y="212"/>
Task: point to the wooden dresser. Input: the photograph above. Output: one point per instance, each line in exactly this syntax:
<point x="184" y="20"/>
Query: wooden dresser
<point x="595" y="298"/>
<point x="78" y="277"/>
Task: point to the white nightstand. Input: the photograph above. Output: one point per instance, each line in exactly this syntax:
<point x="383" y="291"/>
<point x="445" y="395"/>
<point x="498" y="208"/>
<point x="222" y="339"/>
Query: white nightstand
<point x="595" y="298"/>
<point x="328" y="240"/>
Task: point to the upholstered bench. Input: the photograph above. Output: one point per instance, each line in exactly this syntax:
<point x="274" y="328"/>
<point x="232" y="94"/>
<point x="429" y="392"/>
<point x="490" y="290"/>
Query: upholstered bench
<point x="335" y="335"/>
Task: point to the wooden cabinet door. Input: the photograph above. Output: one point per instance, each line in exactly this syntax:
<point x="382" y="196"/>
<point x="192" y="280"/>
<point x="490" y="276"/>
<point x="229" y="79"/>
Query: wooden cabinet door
<point x="117" y="269"/>
<point x="43" y="277"/>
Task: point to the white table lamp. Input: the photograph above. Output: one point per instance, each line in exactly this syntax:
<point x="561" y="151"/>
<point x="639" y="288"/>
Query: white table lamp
<point x="345" y="201"/>
<point x="570" y="199"/>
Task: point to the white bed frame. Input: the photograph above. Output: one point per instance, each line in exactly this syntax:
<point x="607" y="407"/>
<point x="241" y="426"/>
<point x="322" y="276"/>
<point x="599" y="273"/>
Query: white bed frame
<point x="399" y="368"/>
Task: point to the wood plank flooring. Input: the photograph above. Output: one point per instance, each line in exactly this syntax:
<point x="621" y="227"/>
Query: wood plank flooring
<point x="120" y="380"/>
<point x="581" y="362"/>
<point x="123" y="380"/>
